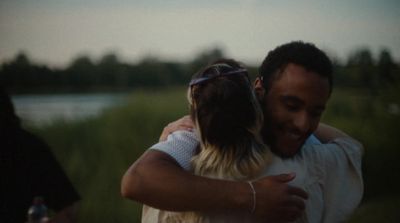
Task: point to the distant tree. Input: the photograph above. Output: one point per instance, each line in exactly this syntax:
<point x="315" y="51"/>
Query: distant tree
<point x="80" y="74"/>
<point x="21" y="60"/>
<point x="21" y="75"/>
<point x="150" y="72"/>
<point x="16" y="72"/>
<point x="361" y="66"/>
<point x="109" y="73"/>
<point x="108" y="69"/>
<point x="177" y="72"/>
<point x="342" y="76"/>
<point x="386" y="68"/>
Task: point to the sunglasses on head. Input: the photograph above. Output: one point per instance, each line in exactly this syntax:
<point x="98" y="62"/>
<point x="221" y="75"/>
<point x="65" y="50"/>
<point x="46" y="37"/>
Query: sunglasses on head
<point x="218" y="73"/>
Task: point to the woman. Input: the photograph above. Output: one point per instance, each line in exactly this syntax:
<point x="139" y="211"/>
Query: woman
<point x="228" y="121"/>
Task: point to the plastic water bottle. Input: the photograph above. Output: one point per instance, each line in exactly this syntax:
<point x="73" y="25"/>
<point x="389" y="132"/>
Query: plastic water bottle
<point x="37" y="213"/>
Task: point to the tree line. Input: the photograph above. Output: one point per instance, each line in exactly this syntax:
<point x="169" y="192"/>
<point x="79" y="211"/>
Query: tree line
<point x="21" y="75"/>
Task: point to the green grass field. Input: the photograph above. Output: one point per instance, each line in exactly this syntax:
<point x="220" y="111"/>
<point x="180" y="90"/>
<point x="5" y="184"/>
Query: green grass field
<point x="96" y="152"/>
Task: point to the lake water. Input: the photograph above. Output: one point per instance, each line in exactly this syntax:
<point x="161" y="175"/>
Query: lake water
<point x="44" y="109"/>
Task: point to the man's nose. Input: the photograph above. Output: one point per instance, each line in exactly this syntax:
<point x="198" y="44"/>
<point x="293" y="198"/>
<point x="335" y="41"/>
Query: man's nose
<point x="302" y="122"/>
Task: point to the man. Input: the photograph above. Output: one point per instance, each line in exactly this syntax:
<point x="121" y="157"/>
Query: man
<point x="294" y="86"/>
<point x="29" y="169"/>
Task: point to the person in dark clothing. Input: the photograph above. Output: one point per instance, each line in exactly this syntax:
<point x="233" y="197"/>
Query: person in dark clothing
<point x="29" y="169"/>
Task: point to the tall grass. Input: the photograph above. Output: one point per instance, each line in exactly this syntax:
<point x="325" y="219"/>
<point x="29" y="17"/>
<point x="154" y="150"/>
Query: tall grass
<point x="96" y="152"/>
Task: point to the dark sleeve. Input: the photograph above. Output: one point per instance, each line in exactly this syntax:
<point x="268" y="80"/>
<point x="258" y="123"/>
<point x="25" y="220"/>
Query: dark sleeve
<point x="48" y="177"/>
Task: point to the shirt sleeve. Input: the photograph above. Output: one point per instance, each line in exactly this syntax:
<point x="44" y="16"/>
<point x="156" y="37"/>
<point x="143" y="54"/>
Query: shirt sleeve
<point x="342" y="179"/>
<point x="180" y="145"/>
<point x="312" y="140"/>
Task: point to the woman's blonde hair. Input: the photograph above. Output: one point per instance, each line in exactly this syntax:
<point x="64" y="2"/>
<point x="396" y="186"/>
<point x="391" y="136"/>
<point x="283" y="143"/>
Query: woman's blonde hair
<point x="228" y="119"/>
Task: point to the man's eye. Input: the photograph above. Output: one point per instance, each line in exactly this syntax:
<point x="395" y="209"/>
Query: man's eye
<point x="292" y="107"/>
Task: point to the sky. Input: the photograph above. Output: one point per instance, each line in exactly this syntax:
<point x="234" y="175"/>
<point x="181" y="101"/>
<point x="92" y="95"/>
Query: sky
<point x="54" y="32"/>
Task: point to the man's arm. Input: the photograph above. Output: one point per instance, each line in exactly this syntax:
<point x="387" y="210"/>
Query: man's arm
<point x="157" y="180"/>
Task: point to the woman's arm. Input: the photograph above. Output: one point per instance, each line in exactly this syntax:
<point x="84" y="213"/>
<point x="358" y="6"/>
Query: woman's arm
<point x="326" y="133"/>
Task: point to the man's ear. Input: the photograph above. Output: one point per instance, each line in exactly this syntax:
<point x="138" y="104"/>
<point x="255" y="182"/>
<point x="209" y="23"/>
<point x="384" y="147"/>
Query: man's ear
<point x="259" y="88"/>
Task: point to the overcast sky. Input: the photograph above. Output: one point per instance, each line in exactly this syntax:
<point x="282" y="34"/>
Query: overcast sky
<point x="56" y="31"/>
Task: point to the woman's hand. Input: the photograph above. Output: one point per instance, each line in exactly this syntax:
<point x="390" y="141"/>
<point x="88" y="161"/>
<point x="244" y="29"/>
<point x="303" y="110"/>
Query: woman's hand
<point x="184" y="123"/>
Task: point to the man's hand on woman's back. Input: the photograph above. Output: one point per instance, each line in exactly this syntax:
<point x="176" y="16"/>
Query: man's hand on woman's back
<point x="276" y="201"/>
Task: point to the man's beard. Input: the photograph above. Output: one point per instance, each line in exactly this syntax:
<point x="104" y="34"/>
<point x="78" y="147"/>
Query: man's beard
<point x="272" y="141"/>
<point x="269" y="135"/>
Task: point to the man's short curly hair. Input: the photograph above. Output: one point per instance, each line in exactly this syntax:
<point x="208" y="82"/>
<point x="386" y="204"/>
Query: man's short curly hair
<point x="300" y="53"/>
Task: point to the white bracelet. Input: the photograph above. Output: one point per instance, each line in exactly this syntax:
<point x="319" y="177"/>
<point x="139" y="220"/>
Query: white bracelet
<point x="254" y="197"/>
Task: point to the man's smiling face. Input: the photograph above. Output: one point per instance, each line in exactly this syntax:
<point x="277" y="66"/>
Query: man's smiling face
<point x="292" y="108"/>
